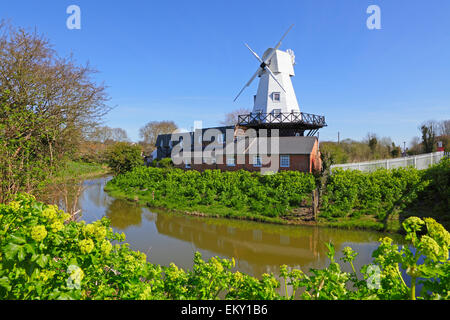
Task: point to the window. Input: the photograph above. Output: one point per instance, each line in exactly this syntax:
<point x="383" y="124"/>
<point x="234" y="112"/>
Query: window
<point x="285" y="161"/>
<point x="276" y="112"/>
<point x="257" y="161"/>
<point x="231" y="162"/>
<point x="221" y="138"/>
<point x="276" y="96"/>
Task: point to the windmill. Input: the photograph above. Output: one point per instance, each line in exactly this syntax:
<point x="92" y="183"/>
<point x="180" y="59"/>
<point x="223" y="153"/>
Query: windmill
<point x="275" y="93"/>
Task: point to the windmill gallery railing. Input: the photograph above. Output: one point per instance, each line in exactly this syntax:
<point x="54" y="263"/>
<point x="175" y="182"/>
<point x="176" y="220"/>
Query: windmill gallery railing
<point x="308" y="121"/>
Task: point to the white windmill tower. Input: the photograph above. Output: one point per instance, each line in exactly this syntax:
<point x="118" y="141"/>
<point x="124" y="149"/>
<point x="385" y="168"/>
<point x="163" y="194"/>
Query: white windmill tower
<point x="275" y="91"/>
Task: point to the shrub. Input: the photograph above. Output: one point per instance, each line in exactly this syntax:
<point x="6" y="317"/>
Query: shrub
<point x="352" y="192"/>
<point x="123" y="157"/>
<point x="438" y="191"/>
<point x="165" y="163"/>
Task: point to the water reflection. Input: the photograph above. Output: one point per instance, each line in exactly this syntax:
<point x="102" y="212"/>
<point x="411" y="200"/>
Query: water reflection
<point x="124" y="215"/>
<point x="257" y="247"/>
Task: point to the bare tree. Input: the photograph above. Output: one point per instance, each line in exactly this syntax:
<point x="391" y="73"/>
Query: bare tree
<point x="444" y="128"/>
<point x="231" y="118"/>
<point x="106" y="134"/>
<point x="149" y="133"/>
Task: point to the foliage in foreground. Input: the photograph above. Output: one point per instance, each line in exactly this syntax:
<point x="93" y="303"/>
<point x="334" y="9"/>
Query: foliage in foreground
<point x="268" y="195"/>
<point x="44" y="255"/>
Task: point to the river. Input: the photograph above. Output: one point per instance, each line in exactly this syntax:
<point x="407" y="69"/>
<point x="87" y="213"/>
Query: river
<point x="257" y="247"/>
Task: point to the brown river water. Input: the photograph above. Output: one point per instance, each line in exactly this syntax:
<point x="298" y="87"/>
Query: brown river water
<point x="257" y="247"/>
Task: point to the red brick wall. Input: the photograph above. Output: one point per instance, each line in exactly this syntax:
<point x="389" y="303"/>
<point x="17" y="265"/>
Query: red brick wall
<point x="298" y="162"/>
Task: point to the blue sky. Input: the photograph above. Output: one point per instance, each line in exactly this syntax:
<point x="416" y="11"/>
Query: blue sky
<point x="186" y="60"/>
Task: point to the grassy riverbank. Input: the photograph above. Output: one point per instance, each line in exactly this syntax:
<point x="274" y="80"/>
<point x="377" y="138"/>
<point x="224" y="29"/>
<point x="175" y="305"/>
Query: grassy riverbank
<point x="75" y="170"/>
<point x="66" y="181"/>
<point x="378" y="201"/>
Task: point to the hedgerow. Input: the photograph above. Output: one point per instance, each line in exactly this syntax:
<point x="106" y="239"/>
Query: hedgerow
<point x="44" y="255"/>
<point x="268" y="195"/>
<point x="352" y="193"/>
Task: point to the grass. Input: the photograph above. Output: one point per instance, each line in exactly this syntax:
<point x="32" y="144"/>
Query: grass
<point x="74" y="170"/>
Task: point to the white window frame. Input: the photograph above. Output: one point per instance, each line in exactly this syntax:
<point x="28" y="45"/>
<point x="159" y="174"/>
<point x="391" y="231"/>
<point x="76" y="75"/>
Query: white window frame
<point x="256" y="163"/>
<point x="284" y="157"/>
<point x="276" y="94"/>
<point x="276" y="112"/>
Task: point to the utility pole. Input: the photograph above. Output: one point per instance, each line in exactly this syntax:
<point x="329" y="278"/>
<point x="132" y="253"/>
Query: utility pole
<point x="339" y="137"/>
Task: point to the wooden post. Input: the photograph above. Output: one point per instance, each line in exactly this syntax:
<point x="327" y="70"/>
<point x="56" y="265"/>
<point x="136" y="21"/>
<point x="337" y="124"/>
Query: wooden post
<point x="315" y="204"/>
<point x="153" y="195"/>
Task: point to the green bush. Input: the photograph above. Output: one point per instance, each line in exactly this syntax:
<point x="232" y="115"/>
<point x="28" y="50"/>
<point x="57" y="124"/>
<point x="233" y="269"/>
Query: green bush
<point x="437" y="193"/>
<point x="44" y="255"/>
<point x="123" y="157"/>
<point x="352" y="192"/>
<point x="268" y="195"/>
<point x="165" y="163"/>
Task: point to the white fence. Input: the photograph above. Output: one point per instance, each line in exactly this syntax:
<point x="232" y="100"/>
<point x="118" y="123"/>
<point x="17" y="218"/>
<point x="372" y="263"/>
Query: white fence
<point x="420" y="162"/>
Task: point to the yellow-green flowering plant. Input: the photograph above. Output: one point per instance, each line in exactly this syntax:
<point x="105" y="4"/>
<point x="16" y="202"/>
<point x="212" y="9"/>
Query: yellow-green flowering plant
<point x="45" y="255"/>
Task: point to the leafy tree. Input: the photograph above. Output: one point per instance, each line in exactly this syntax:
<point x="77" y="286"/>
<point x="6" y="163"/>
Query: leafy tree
<point x="123" y="157"/>
<point x="372" y="142"/>
<point x="396" y="151"/>
<point x="428" y="130"/>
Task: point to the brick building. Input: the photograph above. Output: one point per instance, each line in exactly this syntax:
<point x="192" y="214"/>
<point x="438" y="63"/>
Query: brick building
<point x="252" y="153"/>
